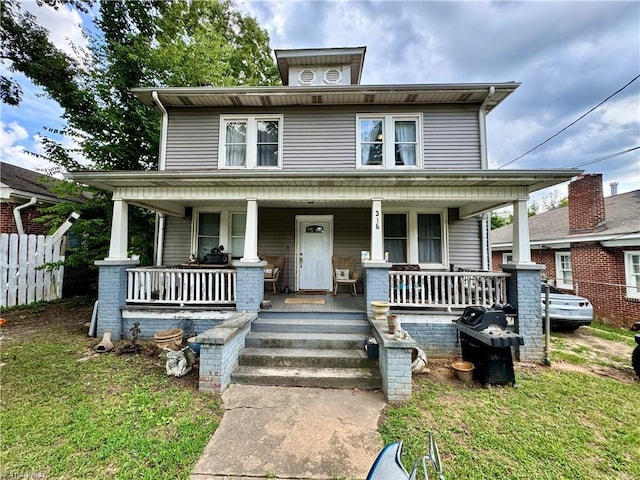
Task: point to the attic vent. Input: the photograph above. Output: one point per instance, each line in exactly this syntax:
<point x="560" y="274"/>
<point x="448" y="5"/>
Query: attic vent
<point x="306" y="77"/>
<point x="332" y="76"/>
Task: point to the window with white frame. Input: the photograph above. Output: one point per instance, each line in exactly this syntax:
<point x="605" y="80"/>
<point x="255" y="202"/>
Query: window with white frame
<point x="207" y="233"/>
<point x="250" y="142"/>
<point x="564" y="275"/>
<point x="507" y="257"/>
<point x="388" y="141"/>
<point x="632" y="273"/>
<point x="238" y="226"/>
<point x="395" y="237"/>
<point x="414" y="237"/>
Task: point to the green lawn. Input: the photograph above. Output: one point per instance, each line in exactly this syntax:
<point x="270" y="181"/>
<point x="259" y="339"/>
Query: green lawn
<point x="556" y="425"/>
<point x="68" y="414"/>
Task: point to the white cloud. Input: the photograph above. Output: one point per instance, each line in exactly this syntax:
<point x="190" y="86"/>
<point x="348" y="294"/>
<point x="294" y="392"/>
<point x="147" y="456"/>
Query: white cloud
<point x="15" y="145"/>
<point x="63" y="23"/>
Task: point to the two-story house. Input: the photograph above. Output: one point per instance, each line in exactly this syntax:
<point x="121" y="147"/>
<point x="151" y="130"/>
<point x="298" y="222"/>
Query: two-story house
<point x="317" y="168"/>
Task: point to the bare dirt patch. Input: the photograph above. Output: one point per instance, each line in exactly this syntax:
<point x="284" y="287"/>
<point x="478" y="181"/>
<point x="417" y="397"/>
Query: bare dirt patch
<point x="598" y="356"/>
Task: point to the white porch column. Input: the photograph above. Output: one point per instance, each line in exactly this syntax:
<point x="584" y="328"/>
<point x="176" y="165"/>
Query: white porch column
<point x="119" y="231"/>
<point x="251" y="232"/>
<point x="377" y="235"/>
<point x="521" y="248"/>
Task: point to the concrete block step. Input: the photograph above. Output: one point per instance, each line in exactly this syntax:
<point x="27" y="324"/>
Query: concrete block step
<point x="363" y="378"/>
<point x="307" y="325"/>
<point x="305" y="358"/>
<point x="305" y="340"/>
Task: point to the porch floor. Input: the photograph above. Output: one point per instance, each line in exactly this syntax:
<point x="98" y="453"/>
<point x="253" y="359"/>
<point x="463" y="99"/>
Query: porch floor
<point x="341" y="303"/>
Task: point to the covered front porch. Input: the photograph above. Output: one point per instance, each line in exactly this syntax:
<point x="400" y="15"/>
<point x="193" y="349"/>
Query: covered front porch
<point x="277" y="208"/>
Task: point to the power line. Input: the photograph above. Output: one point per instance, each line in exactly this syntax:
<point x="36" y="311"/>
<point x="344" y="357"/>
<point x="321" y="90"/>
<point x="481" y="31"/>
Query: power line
<point x="571" y="124"/>
<point x="606" y="157"/>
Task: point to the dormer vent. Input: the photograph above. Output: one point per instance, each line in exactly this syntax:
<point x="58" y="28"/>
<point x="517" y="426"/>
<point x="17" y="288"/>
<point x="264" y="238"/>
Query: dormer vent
<point x="306" y="77"/>
<point x="332" y="76"/>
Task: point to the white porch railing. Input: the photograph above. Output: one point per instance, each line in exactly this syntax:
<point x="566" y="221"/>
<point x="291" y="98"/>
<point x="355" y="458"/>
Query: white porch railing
<point x="181" y="286"/>
<point x="447" y="289"/>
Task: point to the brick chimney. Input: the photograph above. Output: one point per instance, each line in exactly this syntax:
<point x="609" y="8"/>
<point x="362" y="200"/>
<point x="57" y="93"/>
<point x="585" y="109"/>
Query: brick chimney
<point x="586" y="204"/>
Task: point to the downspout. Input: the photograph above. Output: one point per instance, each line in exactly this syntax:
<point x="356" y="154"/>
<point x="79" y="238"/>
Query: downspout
<point x="484" y="164"/>
<point x="160" y="243"/>
<point x="162" y="155"/>
<point x="483" y="128"/>
<point x="18" y="218"/>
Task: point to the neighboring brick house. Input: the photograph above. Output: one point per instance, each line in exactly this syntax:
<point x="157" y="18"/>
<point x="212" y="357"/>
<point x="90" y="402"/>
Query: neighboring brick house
<point x="19" y="186"/>
<point x="591" y="248"/>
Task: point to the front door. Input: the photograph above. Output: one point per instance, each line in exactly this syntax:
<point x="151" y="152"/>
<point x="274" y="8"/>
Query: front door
<point x="313" y="256"/>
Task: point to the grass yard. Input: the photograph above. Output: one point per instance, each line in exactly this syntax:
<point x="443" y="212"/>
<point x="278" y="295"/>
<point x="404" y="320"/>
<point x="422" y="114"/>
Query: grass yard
<point x="575" y="420"/>
<point x="68" y="413"/>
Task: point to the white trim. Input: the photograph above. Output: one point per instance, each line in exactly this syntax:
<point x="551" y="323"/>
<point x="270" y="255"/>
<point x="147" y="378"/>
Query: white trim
<point x="388" y="132"/>
<point x="560" y="282"/>
<point x="252" y="141"/>
<point x="632" y="291"/>
<point x="507" y="260"/>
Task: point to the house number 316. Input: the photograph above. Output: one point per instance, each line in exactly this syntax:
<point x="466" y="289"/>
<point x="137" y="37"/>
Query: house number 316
<point x="377" y="219"/>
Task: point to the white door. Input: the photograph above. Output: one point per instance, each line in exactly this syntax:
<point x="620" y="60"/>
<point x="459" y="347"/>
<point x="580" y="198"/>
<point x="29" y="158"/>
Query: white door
<point x="313" y="256"/>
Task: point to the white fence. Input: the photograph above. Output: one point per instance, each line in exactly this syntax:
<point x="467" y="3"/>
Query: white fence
<point x="447" y="289"/>
<point x="21" y="280"/>
<point x="181" y="286"/>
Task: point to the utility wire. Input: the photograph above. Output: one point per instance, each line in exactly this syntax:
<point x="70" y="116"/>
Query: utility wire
<point x="570" y="125"/>
<point x="606" y="157"/>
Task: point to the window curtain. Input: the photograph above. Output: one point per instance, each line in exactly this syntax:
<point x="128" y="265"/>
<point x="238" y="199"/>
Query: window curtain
<point x="236" y="144"/>
<point x="395" y="237"/>
<point x="405" y="132"/>
<point x="429" y="238"/>
<point x="267" y="144"/>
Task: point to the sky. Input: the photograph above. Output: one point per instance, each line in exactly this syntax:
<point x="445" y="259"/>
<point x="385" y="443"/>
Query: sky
<point x="568" y="56"/>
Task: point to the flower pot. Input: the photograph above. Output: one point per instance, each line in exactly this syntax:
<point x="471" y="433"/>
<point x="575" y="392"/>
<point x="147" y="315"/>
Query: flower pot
<point x="380" y="309"/>
<point x="171" y="338"/>
<point x="392" y="322"/>
<point x="463" y="371"/>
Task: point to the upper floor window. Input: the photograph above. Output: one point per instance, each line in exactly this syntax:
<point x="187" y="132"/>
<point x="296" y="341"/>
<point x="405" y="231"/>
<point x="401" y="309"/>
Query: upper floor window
<point x="632" y="273"/>
<point x="564" y="274"/>
<point x="251" y="142"/>
<point x="388" y="141"/>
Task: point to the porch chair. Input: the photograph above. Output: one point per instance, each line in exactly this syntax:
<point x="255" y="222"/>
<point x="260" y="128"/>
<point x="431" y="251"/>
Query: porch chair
<point x="344" y="273"/>
<point x="272" y="271"/>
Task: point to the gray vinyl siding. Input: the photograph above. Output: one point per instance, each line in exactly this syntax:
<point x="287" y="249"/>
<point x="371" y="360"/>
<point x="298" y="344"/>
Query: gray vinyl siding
<point x="177" y="240"/>
<point x="192" y="139"/>
<point x="324" y="137"/>
<point x="465" y="242"/>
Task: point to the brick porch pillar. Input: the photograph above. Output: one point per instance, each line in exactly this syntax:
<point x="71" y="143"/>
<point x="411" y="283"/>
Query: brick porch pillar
<point x="249" y="285"/>
<point x="523" y="293"/>
<point x="376" y="282"/>
<point x="112" y="295"/>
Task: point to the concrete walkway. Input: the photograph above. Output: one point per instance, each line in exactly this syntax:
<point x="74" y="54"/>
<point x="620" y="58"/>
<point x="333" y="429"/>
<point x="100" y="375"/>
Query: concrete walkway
<point x="293" y="433"/>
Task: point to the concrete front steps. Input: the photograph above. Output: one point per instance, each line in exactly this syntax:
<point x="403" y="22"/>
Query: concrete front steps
<point x="308" y="350"/>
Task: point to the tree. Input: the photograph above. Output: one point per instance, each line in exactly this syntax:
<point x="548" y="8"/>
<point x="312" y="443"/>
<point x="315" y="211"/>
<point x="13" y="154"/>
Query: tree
<point x="500" y="219"/>
<point x="140" y="44"/>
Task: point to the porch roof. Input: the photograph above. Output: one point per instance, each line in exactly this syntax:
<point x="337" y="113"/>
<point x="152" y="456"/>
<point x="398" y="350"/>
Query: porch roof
<point x="473" y="191"/>
<point x="407" y="94"/>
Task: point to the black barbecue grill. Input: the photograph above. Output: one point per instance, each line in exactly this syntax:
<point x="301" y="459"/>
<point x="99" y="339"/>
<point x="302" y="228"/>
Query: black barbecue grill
<point x="486" y="342"/>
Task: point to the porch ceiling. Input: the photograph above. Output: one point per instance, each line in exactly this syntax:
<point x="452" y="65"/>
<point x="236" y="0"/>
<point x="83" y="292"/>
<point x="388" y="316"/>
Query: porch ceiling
<point x="473" y="192"/>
